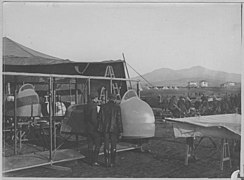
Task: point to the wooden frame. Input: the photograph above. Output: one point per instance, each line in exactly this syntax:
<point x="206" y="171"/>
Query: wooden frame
<point x="52" y="101"/>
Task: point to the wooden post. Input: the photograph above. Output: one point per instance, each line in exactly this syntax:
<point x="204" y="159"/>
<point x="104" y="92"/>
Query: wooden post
<point x="225" y="153"/>
<point x="51" y="118"/>
<point x="70" y="92"/>
<point x="54" y="98"/>
<point x="111" y="86"/>
<point x="127" y="70"/>
<point x="15" y="120"/>
<point x="242" y="99"/>
<point x="54" y="107"/>
<point x="8" y="88"/>
<point x="76" y="91"/>
<point x="88" y="89"/>
<point x="138" y="89"/>
<point x="54" y="136"/>
<point x="190" y="151"/>
<point x="187" y="154"/>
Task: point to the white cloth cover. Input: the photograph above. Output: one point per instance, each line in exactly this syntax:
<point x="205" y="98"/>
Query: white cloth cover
<point x="137" y="117"/>
<point x="28" y="104"/>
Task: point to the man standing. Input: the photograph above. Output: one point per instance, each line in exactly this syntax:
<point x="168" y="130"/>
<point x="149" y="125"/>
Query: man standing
<point x="110" y="125"/>
<point x="165" y="104"/>
<point x="173" y="107"/>
<point x="94" y="137"/>
<point x="181" y="105"/>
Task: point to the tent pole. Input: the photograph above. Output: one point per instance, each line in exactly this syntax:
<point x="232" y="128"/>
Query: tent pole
<point x="126" y="69"/>
<point x="76" y="91"/>
<point x="54" y="97"/>
<point x="76" y="102"/>
<point x="51" y="118"/>
<point x="70" y="92"/>
<point x="242" y="100"/>
<point x="15" y="119"/>
<point x="88" y="89"/>
<point x="54" y="111"/>
<point x="111" y="86"/>
<point x="138" y="89"/>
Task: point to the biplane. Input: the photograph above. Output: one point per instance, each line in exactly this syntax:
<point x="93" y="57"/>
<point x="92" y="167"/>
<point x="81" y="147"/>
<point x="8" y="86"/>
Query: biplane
<point x="34" y="95"/>
<point x="40" y="95"/>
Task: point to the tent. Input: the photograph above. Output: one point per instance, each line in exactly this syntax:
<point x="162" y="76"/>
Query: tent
<point x="18" y="58"/>
<point x="53" y="76"/>
<point x="17" y="54"/>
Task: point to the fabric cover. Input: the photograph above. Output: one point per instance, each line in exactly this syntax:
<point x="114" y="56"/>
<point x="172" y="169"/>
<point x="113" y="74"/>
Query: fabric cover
<point x="74" y="120"/>
<point x="223" y="125"/>
<point x="28" y="104"/>
<point x="137" y="117"/>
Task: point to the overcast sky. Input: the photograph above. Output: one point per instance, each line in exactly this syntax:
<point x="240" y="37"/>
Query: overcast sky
<point x="151" y="35"/>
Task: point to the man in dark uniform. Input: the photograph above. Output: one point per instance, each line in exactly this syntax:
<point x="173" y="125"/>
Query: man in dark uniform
<point x="181" y="105"/>
<point x="110" y="125"/>
<point x="165" y="104"/>
<point x="173" y="107"/>
<point x="94" y="137"/>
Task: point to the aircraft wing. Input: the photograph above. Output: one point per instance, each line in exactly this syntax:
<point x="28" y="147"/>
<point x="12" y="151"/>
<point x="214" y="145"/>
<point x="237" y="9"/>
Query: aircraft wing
<point x="223" y="125"/>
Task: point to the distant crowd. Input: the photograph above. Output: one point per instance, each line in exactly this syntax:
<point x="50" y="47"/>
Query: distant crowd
<point x="179" y="107"/>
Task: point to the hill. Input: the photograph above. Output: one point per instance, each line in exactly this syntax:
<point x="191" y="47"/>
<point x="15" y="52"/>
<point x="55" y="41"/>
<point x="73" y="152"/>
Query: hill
<point x="170" y="77"/>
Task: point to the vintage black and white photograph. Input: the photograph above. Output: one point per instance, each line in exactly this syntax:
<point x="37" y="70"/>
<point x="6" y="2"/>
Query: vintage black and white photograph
<point x="122" y="89"/>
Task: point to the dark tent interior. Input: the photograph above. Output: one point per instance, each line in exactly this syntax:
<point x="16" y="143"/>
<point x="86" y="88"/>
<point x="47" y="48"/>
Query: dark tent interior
<point x="18" y="58"/>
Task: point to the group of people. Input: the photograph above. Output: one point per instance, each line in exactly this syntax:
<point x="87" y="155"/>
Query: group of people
<point x="203" y="105"/>
<point x="103" y="125"/>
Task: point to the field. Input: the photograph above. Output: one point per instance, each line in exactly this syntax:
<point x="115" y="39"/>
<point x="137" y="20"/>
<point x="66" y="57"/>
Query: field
<point x="161" y="158"/>
<point x="151" y="96"/>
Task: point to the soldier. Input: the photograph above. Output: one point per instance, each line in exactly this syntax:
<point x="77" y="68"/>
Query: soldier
<point x="237" y="100"/>
<point x="188" y="104"/>
<point x="181" y="105"/>
<point x="197" y="104"/>
<point x="204" y="108"/>
<point x="239" y="103"/>
<point x="110" y="125"/>
<point x="216" y="106"/>
<point x="165" y="104"/>
<point x="204" y="98"/>
<point x="94" y="137"/>
<point x="173" y="107"/>
<point x="224" y="105"/>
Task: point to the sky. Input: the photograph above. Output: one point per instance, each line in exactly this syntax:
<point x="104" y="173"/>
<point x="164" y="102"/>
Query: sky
<point x="151" y="35"/>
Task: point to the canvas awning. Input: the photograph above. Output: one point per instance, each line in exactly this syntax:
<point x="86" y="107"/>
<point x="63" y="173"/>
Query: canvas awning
<point x="17" y="54"/>
<point x="20" y="59"/>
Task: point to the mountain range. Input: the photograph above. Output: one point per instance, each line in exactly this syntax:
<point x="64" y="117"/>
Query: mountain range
<point x="170" y="77"/>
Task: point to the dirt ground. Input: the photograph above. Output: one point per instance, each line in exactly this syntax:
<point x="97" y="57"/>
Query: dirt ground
<point x="162" y="158"/>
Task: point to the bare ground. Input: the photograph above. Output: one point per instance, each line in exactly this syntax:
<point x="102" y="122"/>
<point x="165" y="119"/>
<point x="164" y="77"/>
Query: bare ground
<point x="162" y="158"/>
